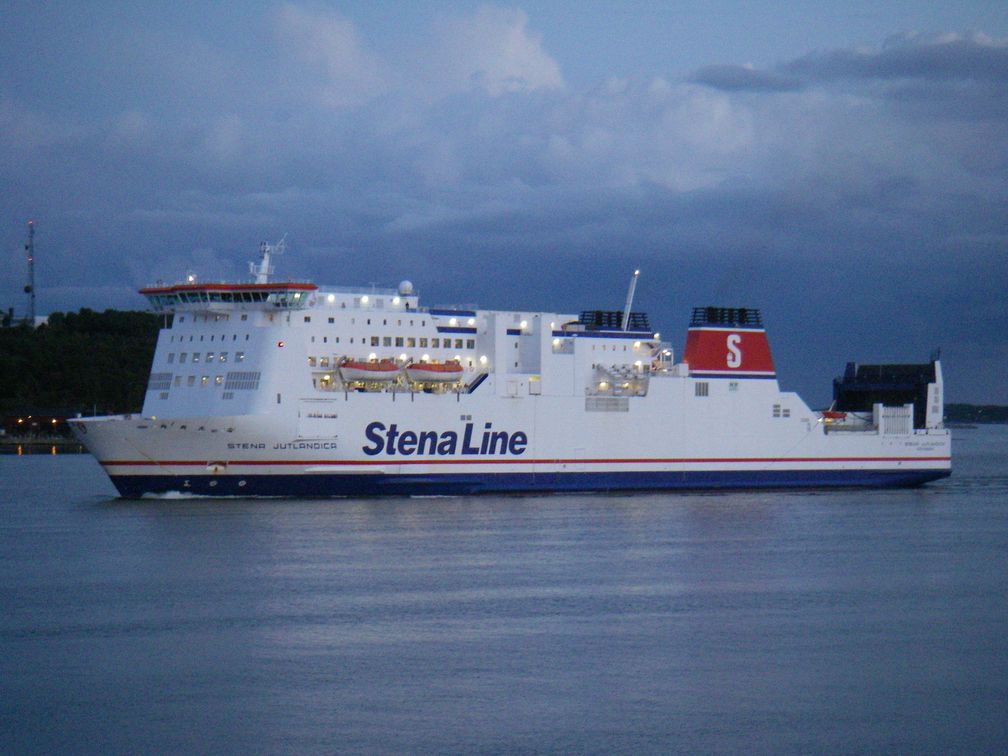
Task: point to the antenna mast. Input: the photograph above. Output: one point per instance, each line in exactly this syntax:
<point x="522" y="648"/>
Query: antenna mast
<point x="264" y="269"/>
<point x="30" y="287"/>
<point x="629" y="300"/>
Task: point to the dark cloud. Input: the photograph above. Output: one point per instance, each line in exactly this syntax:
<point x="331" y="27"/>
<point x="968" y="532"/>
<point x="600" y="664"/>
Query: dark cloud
<point x="743" y="78"/>
<point x="951" y="57"/>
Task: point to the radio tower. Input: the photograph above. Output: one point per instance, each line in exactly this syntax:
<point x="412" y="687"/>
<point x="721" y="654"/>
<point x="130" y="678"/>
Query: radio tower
<point x="30" y="287"/>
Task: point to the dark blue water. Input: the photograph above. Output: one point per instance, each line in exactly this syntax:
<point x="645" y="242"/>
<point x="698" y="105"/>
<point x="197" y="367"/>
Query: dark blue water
<point x="732" y="622"/>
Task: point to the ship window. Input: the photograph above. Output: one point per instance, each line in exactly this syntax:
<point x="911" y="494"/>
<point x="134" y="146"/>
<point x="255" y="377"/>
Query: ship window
<point x="181" y="319"/>
<point x="374" y="341"/>
<point x="385" y="321"/>
<point x="786" y="412"/>
<point x="733" y="386"/>
<point x="776" y="410"/>
<point x="701" y="388"/>
<point x="312" y="339"/>
<point x="182" y="357"/>
<point x="311" y="362"/>
<point x="369" y="321"/>
<point x="470" y="343"/>
<point x="332" y="320"/>
<point x="209" y="356"/>
<point x="178" y="380"/>
<point x="195" y="357"/>
<point x="342" y="305"/>
<point x="410" y="341"/>
<point x="171" y="357"/>
<point x="204" y="380"/>
<point x="307" y="318"/>
<point x="239" y="356"/>
<point x="223" y="357"/>
<point x="234" y="337"/>
<point x="218" y="380"/>
<point x="435" y="343"/>
<point x="190" y="380"/>
<point x="458" y="343"/>
<point x="398" y="341"/>
<point x="244" y="316"/>
<point x="246" y="337"/>
<point x="423" y="342"/>
<point x="337" y="339"/>
<point x="386" y="341"/>
<point x="323" y="362"/>
<point x="325" y="339"/>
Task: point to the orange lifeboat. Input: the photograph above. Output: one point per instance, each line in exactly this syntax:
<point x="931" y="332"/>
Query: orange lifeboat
<point x="368" y="370"/>
<point x="434" y="372"/>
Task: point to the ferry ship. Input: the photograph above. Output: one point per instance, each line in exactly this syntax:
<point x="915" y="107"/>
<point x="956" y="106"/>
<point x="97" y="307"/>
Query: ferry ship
<point x="271" y="388"/>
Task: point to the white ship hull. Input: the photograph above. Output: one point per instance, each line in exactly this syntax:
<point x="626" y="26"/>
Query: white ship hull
<point x="567" y="449"/>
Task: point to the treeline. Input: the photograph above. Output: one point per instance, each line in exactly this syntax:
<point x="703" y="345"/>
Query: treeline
<point x="79" y="362"/>
<point x="976" y="413"/>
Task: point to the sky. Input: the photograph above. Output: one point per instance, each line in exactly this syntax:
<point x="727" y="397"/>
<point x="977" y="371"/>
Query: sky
<point x="841" y="166"/>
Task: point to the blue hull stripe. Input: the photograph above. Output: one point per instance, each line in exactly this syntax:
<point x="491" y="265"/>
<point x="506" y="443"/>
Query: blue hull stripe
<point x="333" y="485"/>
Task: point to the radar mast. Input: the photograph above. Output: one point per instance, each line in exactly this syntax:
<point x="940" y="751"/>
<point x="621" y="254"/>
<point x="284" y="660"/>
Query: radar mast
<point x="262" y="270"/>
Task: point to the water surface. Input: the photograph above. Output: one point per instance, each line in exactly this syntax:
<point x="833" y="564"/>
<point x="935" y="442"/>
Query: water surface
<point x="797" y="621"/>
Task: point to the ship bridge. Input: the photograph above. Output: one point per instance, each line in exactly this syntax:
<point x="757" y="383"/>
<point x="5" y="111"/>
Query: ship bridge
<point x="219" y="297"/>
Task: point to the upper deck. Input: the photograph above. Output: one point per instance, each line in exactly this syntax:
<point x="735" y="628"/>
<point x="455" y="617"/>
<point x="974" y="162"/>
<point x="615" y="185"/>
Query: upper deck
<point x="225" y="296"/>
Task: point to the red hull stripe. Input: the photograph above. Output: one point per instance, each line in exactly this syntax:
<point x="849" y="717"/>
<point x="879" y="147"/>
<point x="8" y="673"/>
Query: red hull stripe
<point x="395" y="461"/>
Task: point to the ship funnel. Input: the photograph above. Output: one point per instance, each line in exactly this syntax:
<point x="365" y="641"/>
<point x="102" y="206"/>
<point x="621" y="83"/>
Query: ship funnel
<point x="726" y="342"/>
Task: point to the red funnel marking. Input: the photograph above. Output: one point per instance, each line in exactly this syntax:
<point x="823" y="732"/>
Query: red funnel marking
<point x="724" y="351"/>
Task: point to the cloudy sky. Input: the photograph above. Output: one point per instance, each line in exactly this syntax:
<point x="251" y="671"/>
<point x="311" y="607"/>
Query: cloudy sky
<point x="843" y="166"/>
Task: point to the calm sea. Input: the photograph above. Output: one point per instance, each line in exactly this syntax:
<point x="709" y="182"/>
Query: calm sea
<point x="816" y="622"/>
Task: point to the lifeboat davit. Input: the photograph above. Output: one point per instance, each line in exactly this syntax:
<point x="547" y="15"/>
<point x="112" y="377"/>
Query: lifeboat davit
<point x="368" y="370"/>
<point x="434" y="372"/>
